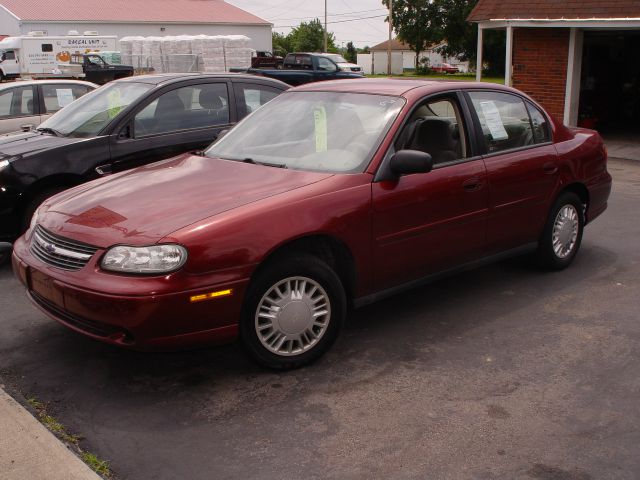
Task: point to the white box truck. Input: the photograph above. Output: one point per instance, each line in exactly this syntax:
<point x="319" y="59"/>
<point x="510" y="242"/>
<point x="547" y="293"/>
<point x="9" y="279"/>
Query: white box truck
<point x="36" y="55"/>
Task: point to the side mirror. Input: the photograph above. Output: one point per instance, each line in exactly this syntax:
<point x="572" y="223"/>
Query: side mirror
<point x="406" y="162"/>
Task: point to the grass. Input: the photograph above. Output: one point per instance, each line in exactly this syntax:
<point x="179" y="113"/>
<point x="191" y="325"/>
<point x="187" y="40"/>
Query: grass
<point x="462" y="77"/>
<point x="59" y="430"/>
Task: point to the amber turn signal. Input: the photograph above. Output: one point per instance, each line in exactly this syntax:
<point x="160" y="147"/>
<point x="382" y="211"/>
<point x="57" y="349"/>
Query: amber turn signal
<point x="211" y="296"/>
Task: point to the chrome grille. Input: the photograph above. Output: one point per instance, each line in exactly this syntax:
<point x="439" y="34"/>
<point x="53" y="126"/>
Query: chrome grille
<point x="58" y="251"/>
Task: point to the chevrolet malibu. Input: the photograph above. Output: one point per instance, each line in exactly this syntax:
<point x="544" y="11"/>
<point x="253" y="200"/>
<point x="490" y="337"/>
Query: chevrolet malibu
<point x="332" y="195"/>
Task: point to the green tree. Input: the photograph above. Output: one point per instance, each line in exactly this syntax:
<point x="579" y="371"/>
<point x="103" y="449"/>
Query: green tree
<point x="417" y="22"/>
<point x="281" y="43"/>
<point x="461" y="36"/>
<point x="309" y="37"/>
<point x="352" y="54"/>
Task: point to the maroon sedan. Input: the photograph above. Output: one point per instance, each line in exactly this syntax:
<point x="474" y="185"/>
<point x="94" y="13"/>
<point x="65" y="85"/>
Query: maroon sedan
<point x="331" y="195"/>
<point x="444" y="68"/>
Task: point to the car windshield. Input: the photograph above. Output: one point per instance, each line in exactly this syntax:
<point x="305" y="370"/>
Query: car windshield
<point x="319" y="131"/>
<point x="336" y="58"/>
<point x="88" y="115"/>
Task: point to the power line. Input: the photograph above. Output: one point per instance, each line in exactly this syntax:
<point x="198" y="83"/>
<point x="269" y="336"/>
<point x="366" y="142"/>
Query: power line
<point x="330" y="15"/>
<point x="335" y="21"/>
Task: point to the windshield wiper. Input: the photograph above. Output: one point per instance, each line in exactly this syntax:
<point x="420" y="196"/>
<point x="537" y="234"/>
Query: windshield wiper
<point x="50" y="130"/>
<point x="266" y="164"/>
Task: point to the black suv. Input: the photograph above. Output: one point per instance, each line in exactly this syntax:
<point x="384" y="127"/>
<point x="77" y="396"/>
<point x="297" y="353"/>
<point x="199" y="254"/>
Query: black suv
<point x="124" y="124"/>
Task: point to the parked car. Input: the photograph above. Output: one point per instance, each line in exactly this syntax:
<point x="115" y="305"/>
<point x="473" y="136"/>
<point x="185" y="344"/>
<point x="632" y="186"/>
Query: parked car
<point x="266" y="60"/>
<point x="343" y="64"/>
<point x="444" y="68"/>
<point x="301" y="68"/>
<point x="29" y="103"/>
<point x="124" y="124"/>
<point x="328" y="196"/>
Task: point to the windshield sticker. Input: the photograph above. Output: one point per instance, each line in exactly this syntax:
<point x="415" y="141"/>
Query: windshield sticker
<point x="115" y="103"/>
<point x="65" y="96"/>
<point x="493" y="120"/>
<point x="320" y="117"/>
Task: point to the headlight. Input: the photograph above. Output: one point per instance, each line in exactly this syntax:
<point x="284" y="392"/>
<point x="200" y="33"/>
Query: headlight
<point x="4" y="164"/>
<point x="34" y="218"/>
<point x="152" y="259"/>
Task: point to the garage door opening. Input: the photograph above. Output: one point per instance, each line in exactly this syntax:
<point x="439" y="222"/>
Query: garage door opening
<point x="610" y="83"/>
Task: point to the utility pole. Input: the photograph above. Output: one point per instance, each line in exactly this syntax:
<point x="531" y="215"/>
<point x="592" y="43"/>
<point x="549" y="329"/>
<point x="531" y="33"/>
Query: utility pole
<point x="325" y="25"/>
<point x="390" y="35"/>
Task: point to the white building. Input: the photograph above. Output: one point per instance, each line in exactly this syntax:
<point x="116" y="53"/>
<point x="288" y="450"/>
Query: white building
<point x="401" y="49"/>
<point x="133" y="18"/>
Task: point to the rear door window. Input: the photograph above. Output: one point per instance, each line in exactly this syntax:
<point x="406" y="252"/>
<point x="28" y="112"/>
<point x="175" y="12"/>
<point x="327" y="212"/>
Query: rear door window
<point x="57" y="96"/>
<point x="504" y="119"/>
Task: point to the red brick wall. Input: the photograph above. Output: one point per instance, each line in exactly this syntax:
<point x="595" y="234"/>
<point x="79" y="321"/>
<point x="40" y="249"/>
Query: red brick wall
<point x="540" y="58"/>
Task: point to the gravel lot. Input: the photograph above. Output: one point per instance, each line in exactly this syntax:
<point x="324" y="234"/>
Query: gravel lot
<point x="499" y="373"/>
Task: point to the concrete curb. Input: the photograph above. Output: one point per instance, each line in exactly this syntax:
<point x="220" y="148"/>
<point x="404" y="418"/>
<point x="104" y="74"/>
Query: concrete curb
<point x="29" y="450"/>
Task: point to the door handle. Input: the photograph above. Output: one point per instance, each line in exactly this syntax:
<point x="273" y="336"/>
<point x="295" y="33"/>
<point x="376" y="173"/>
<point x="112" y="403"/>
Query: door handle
<point x="472" y="184"/>
<point x="550" y="168"/>
<point x="103" y="170"/>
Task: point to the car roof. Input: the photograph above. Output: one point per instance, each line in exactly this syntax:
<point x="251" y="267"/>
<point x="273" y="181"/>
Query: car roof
<point x="20" y="83"/>
<point x="396" y="86"/>
<point x="168" y="78"/>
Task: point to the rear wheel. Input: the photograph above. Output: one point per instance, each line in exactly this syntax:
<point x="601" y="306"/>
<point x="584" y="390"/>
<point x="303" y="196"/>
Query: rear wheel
<point x="562" y="234"/>
<point x="293" y="312"/>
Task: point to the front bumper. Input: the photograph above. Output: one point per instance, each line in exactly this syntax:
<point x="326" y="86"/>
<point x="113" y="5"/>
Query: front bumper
<point x="144" y="320"/>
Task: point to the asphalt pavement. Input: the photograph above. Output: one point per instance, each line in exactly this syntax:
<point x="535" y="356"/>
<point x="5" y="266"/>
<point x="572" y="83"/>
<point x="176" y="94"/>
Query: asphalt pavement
<point x="503" y="372"/>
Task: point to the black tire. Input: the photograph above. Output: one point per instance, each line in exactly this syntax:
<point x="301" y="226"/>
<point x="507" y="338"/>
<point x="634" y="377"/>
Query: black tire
<point x="35" y="202"/>
<point x="295" y="266"/>
<point x="546" y="256"/>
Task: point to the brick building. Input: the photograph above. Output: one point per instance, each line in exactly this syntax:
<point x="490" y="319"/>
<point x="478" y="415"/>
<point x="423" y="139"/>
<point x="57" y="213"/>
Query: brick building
<point x="579" y="58"/>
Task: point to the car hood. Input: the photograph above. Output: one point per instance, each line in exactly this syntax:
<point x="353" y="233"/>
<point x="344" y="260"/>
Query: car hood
<point x="27" y="143"/>
<point x="144" y="205"/>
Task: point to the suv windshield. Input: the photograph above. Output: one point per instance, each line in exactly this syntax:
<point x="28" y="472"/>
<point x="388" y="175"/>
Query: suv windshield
<point x="319" y="131"/>
<point x="336" y="58"/>
<point x="88" y="115"/>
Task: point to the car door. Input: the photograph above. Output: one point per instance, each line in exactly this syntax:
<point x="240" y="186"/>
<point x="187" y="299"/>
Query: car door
<point x="18" y="107"/>
<point x="325" y="68"/>
<point x="429" y="222"/>
<point x="55" y="96"/>
<point x="179" y="119"/>
<point x="522" y="167"/>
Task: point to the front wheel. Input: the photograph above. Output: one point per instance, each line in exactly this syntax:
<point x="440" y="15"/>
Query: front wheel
<point x="562" y="234"/>
<point x="293" y="312"/>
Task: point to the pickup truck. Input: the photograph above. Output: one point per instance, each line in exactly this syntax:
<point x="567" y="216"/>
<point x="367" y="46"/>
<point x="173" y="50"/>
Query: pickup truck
<point x="300" y="68"/>
<point x="266" y="60"/>
<point x="93" y="68"/>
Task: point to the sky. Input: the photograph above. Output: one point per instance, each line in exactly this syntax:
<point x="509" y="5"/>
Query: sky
<point x="285" y="14"/>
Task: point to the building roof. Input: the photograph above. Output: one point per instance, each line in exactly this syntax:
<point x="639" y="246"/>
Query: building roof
<point x="554" y="10"/>
<point x="130" y="11"/>
<point x="395" y="46"/>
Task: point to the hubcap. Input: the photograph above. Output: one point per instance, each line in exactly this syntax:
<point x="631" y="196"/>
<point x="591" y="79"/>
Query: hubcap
<point x="565" y="231"/>
<point x="292" y="316"/>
